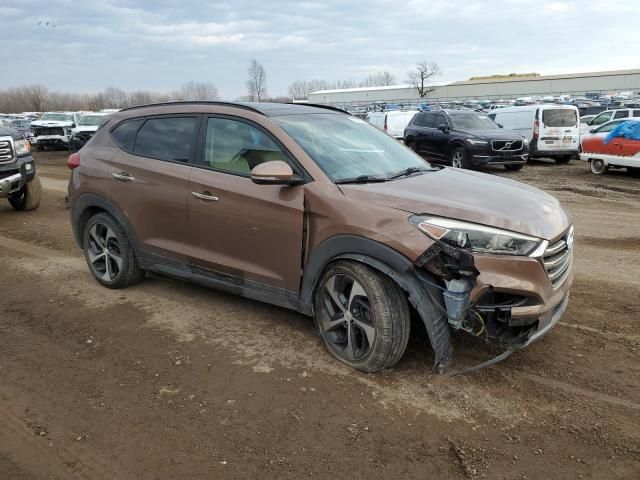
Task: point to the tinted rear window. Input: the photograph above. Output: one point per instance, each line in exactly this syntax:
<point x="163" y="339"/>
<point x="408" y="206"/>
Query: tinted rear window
<point x="559" y="118"/>
<point x="125" y="133"/>
<point x="167" y="138"/>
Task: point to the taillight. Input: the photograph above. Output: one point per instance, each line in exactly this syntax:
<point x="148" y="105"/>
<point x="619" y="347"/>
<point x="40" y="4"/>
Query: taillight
<point x="73" y="161"/>
<point x="385" y="123"/>
<point x="536" y="129"/>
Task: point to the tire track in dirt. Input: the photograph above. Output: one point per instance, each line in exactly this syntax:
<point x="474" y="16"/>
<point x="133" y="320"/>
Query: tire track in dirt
<point x="59" y="462"/>
<point x="265" y="344"/>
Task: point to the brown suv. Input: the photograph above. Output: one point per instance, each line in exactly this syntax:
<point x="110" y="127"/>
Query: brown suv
<point x="310" y="208"/>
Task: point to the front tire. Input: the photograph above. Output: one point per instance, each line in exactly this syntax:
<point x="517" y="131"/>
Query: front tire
<point x="362" y="316"/>
<point x="597" y="166"/>
<point x="28" y="197"/>
<point x="460" y="158"/>
<point x="109" y="254"/>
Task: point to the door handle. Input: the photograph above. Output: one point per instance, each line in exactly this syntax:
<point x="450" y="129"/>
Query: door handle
<point x="122" y="176"/>
<point x="206" y="196"/>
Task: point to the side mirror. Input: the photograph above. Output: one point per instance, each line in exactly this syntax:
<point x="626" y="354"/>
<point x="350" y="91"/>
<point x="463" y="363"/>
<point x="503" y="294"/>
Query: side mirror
<point x="593" y="130"/>
<point x="500" y="125"/>
<point x="590" y="122"/>
<point x="443" y="128"/>
<point x="73" y="125"/>
<point x="275" y="172"/>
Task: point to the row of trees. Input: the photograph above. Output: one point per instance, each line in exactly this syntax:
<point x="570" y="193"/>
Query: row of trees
<point x="37" y="98"/>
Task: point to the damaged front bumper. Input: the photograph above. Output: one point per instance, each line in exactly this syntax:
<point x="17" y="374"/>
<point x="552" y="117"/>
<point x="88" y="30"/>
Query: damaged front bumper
<point x="508" y="301"/>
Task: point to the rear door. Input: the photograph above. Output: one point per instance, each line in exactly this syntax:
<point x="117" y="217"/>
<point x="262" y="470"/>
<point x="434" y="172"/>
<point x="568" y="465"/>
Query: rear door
<point x="147" y="180"/>
<point x="439" y="141"/>
<point x="558" y="129"/>
<point x="251" y="233"/>
<point x="424" y="124"/>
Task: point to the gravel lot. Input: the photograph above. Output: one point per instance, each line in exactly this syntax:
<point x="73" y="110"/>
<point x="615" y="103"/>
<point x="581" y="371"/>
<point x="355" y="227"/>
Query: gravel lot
<point x="170" y="380"/>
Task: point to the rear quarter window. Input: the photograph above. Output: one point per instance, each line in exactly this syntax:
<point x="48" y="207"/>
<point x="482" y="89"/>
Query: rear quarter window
<point x="559" y="118"/>
<point x="125" y="133"/>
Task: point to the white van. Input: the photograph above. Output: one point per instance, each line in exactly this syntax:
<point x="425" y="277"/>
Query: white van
<point x="552" y="130"/>
<point x="393" y="122"/>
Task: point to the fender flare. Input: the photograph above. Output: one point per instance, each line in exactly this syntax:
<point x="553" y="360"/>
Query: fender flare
<point x="400" y="269"/>
<point x="87" y="201"/>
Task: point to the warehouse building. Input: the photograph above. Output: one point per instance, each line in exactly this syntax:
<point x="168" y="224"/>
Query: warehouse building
<point x="575" y="84"/>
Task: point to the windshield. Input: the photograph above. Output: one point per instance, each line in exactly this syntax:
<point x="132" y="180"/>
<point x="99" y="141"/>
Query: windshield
<point x="470" y="121"/>
<point x="346" y="147"/>
<point x="92" y="120"/>
<point x="559" y="118"/>
<point x="19" y="123"/>
<point x="57" y="117"/>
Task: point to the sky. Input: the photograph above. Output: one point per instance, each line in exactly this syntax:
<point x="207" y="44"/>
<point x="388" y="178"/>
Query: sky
<point x="161" y="44"/>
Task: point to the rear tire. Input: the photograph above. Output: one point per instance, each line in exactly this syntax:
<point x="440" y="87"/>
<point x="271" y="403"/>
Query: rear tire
<point x="109" y="254"/>
<point x="598" y="167"/>
<point x="564" y="159"/>
<point x="513" y="168"/>
<point x="28" y="197"/>
<point x="362" y="316"/>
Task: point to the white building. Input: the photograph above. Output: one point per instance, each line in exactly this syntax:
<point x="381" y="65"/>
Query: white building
<point x="571" y="84"/>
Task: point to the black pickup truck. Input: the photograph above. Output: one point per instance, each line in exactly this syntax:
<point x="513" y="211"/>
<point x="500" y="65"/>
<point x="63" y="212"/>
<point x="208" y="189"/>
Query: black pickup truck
<point x="18" y="180"/>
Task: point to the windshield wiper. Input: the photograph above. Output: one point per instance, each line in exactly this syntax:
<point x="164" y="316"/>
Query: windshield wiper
<point x="409" y="171"/>
<point x="361" y="179"/>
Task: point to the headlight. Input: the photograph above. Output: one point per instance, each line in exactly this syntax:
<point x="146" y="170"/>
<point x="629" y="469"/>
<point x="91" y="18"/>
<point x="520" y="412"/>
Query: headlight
<point x="474" y="237"/>
<point x="23" y="147"/>
<point x="477" y="142"/>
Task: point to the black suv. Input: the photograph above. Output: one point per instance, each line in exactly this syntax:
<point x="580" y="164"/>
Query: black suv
<point x="465" y="139"/>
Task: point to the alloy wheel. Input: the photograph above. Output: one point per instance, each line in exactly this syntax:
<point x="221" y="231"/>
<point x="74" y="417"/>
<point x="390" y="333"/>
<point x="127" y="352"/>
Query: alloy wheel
<point x="347" y="321"/>
<point x="457" y="160"/>
<point x="104" y="252"/>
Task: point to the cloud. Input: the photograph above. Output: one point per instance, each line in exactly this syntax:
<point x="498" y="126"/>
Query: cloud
<point x="136" y="44"/>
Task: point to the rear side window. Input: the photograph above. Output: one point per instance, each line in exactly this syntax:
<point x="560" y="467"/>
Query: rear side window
<point x="125" y="133"/>
<point x="621" y="114"/>
<point x="559" y="118"/>
<point x="425" y="120"/>
<point x="636" y="113"/>
<point x="167" y="138"/>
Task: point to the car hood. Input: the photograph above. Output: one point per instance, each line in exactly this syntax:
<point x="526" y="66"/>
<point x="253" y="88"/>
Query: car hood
<point x="85" y="128"/>
<point x="493" y="134"/>
<point x="472" y="197"/>
<point x="51" y="123"/>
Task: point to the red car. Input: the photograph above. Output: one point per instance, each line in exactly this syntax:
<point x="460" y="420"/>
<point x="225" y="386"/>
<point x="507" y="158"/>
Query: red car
<point x="620" y="148"/>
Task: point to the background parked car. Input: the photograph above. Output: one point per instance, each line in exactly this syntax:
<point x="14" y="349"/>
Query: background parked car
<point x="393" y="122"/>
<point x="464" y="138"/>
<point x="552" y="130"/>
<point x="87" y="126"/>
<point x="602" y="130"/>
<point x="615" y="114"/>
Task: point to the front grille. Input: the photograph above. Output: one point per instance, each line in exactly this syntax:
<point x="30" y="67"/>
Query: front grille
<point x="506" y="145"/>
<point x="48" y="131"/>
<point x="6" y="152"/>
<point x="557" y="259"/>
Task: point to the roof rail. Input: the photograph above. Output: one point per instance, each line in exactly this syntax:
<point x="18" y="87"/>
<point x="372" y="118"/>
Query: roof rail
<point x="321" y="105"/>
<point x="195" y="102"/>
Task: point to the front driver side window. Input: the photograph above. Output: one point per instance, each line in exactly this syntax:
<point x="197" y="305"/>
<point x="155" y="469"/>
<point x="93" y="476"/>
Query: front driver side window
<point x="237" y="147"/>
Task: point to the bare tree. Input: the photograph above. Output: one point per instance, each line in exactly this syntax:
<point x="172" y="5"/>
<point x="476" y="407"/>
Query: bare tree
<point x="198" y="91"/>
<point x="422" y="77"/>
<point x="115" y="98"/>
<point x="257" y="81"/>
<point x="380" y="79"/>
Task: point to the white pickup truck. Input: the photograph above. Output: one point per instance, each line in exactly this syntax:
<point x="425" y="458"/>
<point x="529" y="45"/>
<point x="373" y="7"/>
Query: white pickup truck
<point x="53" y="129"/>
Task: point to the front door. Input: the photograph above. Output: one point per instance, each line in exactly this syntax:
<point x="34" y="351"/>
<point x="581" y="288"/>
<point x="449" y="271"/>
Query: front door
<point x="240" y="229"/>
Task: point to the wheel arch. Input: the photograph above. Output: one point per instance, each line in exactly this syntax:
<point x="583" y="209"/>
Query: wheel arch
<point x="90" y="204"/>
<point x="392" y="264"/>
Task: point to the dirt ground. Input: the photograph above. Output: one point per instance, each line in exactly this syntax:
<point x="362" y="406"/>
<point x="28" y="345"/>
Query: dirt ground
<point x="170" y="380"/>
